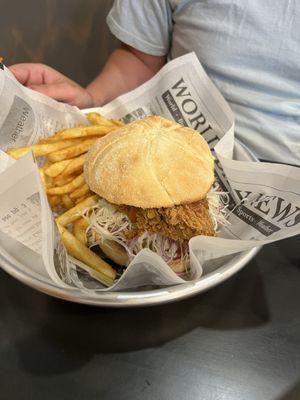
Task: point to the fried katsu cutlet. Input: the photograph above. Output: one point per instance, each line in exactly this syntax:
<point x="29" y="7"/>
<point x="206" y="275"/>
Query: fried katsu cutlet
<point x="180" y="222"/>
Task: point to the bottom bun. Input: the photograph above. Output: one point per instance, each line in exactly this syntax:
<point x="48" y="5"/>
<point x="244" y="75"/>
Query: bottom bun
<point x="178" y="266"/>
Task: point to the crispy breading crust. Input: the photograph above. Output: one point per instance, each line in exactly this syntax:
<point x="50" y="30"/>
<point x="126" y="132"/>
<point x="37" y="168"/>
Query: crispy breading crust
<point x="179" y="222"/>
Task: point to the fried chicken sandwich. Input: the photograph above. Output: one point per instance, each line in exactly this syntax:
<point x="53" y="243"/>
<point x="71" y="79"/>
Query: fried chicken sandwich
<point x="154" y="178"/>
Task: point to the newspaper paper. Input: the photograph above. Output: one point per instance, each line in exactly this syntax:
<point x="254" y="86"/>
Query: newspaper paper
<point x="263" y="200"/>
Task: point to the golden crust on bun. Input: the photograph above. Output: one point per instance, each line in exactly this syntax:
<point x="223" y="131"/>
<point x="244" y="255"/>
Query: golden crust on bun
<point x="150" y="163"/>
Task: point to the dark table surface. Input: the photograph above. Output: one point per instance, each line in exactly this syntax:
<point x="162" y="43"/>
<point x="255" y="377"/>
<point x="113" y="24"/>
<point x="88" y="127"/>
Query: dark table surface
<point x="240" y="340"/>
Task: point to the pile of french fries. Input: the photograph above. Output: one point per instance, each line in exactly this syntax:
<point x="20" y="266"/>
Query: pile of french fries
<point x="68" y="194"/>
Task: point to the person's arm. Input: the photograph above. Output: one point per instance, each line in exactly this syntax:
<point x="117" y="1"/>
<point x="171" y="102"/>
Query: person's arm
<point x="125" y="69"/>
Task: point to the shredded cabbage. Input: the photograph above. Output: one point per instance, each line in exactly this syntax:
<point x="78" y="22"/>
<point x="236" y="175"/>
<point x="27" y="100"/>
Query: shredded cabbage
<point x="106" y="222"/>
<point x="217" y="210"/>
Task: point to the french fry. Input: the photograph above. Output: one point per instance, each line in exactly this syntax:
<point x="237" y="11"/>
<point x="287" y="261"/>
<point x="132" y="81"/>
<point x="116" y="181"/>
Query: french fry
<point x="73" y="151"/>
<point x="117" y="122"/>
<point x="114" y="251"/>
<point x="47" y="181"/>
<point x="69" y="187"/>
<point x="18" y="152"/>
<point x="81" y="191"/>
<point x="57" y="168"/>
<point x="81" y="132"/>
<point x="75" y="166"/>
<point x="46" y="165"/>
<point x="53" y="201"/>
<point x="94" y="118"/>
<point x="97" y="119"/>
<point x="82" y="198"/>
<point x="41" y="149"/>
<point x="84" y="254"/>
<point x="67" y="202"/>
<point x="75" y="213"/>
<point x="79" y="229"/>
<point x="48" y="138"/>
<point x="61" y="180"/>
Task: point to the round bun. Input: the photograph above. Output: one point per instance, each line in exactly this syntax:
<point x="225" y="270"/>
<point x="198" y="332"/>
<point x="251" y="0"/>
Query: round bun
<point x="150" y="163"/>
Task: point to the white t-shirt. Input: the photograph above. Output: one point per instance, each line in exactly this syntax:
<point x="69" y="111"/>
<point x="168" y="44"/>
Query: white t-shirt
<point x="249" y="48"/>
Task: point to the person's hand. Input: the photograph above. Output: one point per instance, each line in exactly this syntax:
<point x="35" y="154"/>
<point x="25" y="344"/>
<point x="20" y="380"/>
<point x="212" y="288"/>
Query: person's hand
<point x="52" y="83"/>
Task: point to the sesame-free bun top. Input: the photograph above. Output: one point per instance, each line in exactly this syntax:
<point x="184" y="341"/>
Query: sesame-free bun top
<point x="150" y="163"/>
